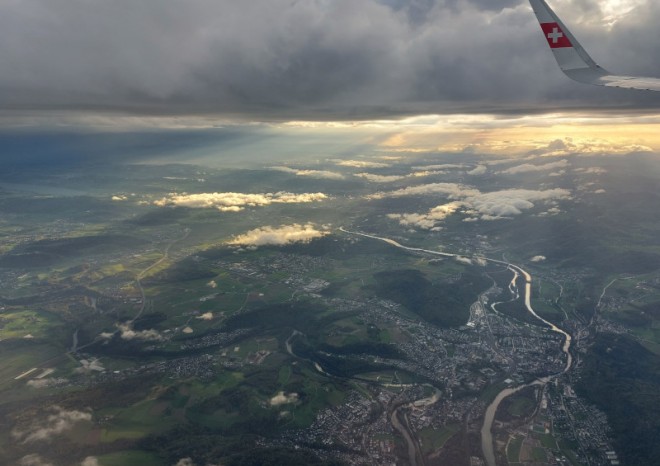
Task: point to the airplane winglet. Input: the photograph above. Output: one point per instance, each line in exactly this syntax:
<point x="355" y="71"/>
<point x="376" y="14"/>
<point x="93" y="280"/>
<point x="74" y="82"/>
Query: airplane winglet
<point x="574" y="60"/>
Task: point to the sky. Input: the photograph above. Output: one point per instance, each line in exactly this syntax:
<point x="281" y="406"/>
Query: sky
<point x="473" y="73"/>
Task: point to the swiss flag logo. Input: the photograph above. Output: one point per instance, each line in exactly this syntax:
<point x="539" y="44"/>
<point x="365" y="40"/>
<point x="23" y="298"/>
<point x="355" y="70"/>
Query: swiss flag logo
<point x="555" y="36"/>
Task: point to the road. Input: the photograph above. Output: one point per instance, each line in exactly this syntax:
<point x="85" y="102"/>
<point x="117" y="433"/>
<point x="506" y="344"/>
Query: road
<point x="140" y="275"/>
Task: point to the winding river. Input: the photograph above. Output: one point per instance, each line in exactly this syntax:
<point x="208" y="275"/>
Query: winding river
<point x="486" y="434"/>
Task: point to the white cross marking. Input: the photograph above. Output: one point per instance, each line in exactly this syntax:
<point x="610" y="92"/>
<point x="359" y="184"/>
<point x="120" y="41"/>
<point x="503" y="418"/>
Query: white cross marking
<point x="555" y="35"/>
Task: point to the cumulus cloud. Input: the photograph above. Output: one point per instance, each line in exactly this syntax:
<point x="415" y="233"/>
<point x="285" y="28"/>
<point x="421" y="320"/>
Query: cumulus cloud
<point x="322" y="174"/>
<point x="441" y="166"/>
<point x="90" y="461"/>
<point x="478" y="170"/>
<point x="451" y="190"/>
<point x="286" y="234"/>
<point x="59" y="421"/>
<point x="600" y="191"/>
<point x="283" y="398"/>
<point x="487" y="206"/>
<point x="463" y="260"/>
<point x="423" y="173"/>
<point x="480" y="261"/>
<point x="591" y="170"/>
<point x="538" y="259"/>
<point x="126" y="332"/>
<point x="119" y="197"/>
<point x="361" y="164"/>
<point x="528" y="167"/>
<point x="235" y="202"/>
<point x="510" y="202"/>
<point x="429" y="220"/>
<point x="212" y="284"/>
<point x="380" y="178"/>
<point x="391" y="178"/>
<point x="206" y="316"/>
<point x="569" y="146"/>
<point x="185" y="462"/>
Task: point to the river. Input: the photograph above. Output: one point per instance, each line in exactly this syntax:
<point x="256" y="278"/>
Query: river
<point x="486" y="434"/>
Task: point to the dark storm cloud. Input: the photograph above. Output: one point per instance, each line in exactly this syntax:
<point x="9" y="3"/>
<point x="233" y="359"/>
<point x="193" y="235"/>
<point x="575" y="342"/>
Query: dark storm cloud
<point x="307" y="58"/>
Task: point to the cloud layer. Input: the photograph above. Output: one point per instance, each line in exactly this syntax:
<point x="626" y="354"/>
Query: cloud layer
<point x="528" y="167"/>
<point x="235" y="202"/>
<point x="451" y="190"/>
<point x="473" y="203"/>
<point x="315" y="58"/>
<point x="323" y="174"/>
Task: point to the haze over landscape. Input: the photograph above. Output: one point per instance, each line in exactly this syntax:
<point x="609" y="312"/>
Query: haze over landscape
<point x="326" y="232"/>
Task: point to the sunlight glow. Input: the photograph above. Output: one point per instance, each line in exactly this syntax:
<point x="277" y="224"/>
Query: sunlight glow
<point x="517" y="136"/>
<point x="614" y="10"/>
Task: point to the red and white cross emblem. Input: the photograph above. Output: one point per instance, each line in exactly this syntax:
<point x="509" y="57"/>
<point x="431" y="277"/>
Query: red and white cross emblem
<point x="556" y="37"/>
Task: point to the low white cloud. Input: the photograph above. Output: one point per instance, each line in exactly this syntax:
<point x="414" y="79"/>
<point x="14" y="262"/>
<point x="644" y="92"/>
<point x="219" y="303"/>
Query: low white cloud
<point x="510" y="202"/>
<point x="528" y="167"/>
<point x="119" y="197"/>
<point x="322" y="174"/>
<point x="480" y="261"/>
<point x="374" y="178"/>
<point x="538" y="259"/>
<point x="90" y="461"/>
<point x="568" y="146"/>
<point x="282" y="398"/>
<point x="423" y="173"/>
<point x="212" y="284"/>
<point x="600" y="191"/>
<point x="478" y="170"/>
<point x="185" y="462"/>
<point x="429" y="220"/>
<point x="591" y="170"/>
<point x="486" y="206"/>
<point x="463" y="260"/>
<point x="451" y="190"/>
<point x="206" y="316"/>
<point x="59" y="421"/>
<point x="442" y="166"/>
<point x="286" y="234"/>
<point x="127" y="333"/>
<point x="235" y="202"/>
<point x="361" y="164"/>
<point x="380" y="178"/>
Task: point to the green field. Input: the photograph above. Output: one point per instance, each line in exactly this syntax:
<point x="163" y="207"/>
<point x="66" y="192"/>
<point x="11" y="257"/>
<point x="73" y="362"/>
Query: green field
<point x="434" y="439"/>
<point x="29" y="324"/>
<point x="539" y="454"/>
<point x="513" y="449"/>
<point x="130" y="458"/>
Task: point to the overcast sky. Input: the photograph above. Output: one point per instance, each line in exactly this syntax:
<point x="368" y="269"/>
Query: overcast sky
<point x="313" y="59"/>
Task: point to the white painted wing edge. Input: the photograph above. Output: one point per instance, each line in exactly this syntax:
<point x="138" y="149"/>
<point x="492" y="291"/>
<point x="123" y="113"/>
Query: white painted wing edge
<point x="574" y="61"/>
